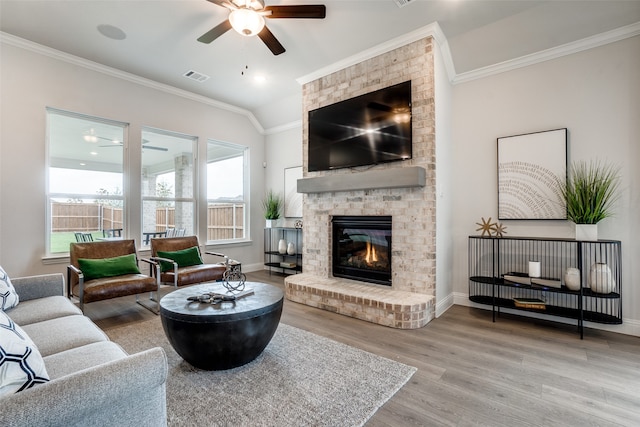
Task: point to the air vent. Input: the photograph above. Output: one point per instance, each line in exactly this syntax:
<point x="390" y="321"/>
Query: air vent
<point x="194" y="75"/>
<point x="402" y="3"/>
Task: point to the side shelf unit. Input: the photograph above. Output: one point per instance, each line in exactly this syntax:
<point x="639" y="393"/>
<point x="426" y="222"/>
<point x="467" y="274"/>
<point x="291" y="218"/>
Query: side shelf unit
<point x="274" y="259"/>
<point x="491" y="258"/>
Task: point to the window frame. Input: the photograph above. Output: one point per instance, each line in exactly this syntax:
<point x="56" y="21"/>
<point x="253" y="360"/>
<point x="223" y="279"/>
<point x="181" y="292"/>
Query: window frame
<point x="50" y="196"/>
<point x="193" y="199"/>
<point x="246" y="177"/>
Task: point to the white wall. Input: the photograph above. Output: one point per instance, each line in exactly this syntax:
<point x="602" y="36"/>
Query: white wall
<point x="282" y="150"/>
<point x="444" y="187"/>
<point x="31" y="81"/>
<point x="595" y="94"/>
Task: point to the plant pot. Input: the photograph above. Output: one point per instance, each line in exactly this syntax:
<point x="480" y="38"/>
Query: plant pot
<point x="587" y="232"/>
<point x="270" y="223"/>
<point x="601" y="279"/>
<point x="572" y="279"/>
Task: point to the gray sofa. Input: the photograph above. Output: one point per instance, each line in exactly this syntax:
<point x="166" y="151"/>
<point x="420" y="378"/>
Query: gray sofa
<point x="93" y="381"/>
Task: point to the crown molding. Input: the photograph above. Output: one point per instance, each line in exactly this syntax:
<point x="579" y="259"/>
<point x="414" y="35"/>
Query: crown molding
<point x="113" y="72"/>
<point x="297" y="124"/>
<point x="431" y="30"/>
<point x="553" y="53"/>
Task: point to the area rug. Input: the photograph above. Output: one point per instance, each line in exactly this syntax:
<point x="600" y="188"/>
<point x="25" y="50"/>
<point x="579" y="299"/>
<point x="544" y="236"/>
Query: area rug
<point x="301" y="379"/>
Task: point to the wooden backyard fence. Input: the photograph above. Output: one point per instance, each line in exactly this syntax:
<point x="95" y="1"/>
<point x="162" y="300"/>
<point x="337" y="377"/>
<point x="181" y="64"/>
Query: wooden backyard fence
<point x="224" y="220"/>
<point x="84" y="217"/>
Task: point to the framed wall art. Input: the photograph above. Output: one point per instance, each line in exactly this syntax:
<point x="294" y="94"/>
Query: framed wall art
<point x="531" y="170"/>
<point x="292" y="199"/>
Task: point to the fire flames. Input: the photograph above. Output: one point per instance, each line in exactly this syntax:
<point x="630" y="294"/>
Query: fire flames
<point x="371" y="255"/>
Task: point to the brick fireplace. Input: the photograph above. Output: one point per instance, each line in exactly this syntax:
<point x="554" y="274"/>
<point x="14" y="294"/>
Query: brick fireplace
<point x="388" y="190"/>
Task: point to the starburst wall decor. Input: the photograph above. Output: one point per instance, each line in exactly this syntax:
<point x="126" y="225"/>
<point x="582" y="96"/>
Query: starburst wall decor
<point x="491" y="228"/>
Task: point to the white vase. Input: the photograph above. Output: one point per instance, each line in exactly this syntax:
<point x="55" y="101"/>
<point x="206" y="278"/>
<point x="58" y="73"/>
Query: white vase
<point x="270" y="223"/>
<point x="572" y="279"/>
<point x="291" y="248"/>
<point x="601" y="279"/>
<point x="282" y="246"/>
<point x="587" y="232"/>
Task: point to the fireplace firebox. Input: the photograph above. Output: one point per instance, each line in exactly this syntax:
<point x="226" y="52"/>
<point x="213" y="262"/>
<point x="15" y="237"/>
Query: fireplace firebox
<point x="362" y="248"/>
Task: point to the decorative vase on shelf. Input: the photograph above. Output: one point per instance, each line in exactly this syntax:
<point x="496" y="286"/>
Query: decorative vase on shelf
<point x="291" y="248"/>
<point x="587" y="232"/>
<point x="572" y="279"/>
<point x="601" y="279"/>
<point x="270" y="223"/>
<point x="282" y="246"/>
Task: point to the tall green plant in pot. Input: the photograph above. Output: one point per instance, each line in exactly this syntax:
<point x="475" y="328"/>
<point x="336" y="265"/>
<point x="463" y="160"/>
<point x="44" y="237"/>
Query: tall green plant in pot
<point x="590" y="192"/>
<point x="272" y="205"/>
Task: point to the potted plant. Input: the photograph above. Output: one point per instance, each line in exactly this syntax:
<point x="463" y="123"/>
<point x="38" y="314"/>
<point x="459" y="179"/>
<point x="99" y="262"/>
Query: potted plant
<point x="590" y="192"/>
<point x="272" y="204"/>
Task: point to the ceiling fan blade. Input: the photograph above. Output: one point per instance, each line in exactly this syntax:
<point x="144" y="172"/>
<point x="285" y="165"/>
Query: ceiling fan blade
<point x="151" y="147"/>
<point x="270" y="40"/>
<point x="144" y="146"/>
<point x="224" y="3"/>
<point x="114" y="141"/>
<point x="312" y="11"/>
<point x="215" y="32"/>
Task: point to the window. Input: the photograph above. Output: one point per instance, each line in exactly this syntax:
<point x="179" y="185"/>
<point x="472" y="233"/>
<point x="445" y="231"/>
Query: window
<point x="85" y="178"/>
<point x="227" y="178"/>
<point x="168" y="196"/>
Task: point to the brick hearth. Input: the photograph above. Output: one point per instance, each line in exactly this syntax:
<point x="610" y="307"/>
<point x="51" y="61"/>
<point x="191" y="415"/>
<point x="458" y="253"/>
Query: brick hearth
<point x="373" y="303"/>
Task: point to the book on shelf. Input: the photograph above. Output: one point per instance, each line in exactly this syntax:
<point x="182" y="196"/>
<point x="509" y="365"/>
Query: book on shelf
<point x="524" y="279"/>
<point x="549" y="283"/>
<point x="288" y="264"/>
<point x="535" y="303"/>
<point x="520" y="278"/>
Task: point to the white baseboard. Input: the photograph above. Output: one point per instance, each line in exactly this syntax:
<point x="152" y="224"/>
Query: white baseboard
<point x="250" y="268"/>
<point x="444" y="304"/>
<point x="628" y="326"/>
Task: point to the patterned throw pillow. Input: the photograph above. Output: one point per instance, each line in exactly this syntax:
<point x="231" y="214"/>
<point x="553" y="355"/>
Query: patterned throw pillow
<point x="8" y="295"/>
<point x="21" y="365"/>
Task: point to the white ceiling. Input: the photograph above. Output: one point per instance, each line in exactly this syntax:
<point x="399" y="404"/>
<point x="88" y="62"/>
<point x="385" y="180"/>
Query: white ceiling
<point x="161" y="35"/>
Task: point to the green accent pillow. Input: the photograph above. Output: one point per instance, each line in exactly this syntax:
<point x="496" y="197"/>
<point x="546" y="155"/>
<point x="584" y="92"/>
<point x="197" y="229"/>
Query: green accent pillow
<point x="108" y="267"/>
<point x="184" y="258"/>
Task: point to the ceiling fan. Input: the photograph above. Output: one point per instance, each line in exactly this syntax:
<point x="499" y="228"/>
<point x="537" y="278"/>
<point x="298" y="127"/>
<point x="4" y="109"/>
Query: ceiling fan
<point x="247" y="18"/>
<point x="116" y="143"/>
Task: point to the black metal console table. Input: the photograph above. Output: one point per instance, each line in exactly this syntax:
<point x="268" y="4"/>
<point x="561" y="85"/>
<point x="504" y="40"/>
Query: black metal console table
<point x="498" y="276"/>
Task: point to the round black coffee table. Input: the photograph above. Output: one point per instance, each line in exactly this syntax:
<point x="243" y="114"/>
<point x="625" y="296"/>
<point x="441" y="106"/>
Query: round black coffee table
<point x="224" y="335"/>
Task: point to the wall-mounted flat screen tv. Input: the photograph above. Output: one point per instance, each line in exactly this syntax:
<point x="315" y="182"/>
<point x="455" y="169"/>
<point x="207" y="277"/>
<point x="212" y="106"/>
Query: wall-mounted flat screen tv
<point x="365" y="130"/>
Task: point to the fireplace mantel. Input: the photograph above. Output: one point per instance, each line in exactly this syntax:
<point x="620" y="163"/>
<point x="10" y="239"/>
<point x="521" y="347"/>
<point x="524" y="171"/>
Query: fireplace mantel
<point x="405" y="177"/>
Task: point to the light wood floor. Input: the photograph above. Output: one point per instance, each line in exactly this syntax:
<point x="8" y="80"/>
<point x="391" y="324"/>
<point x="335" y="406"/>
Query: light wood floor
<point x="471" y="371"/>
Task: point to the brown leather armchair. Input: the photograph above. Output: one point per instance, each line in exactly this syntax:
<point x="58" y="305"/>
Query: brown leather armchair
<point x="180" y="276"/>
<point x="103" y="288"/>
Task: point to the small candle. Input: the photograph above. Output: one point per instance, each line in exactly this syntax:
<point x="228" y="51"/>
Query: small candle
<point x="534" y="269"/>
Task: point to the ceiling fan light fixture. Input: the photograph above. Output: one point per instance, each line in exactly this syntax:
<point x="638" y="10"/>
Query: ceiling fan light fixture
<point x="247" y="22"/>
